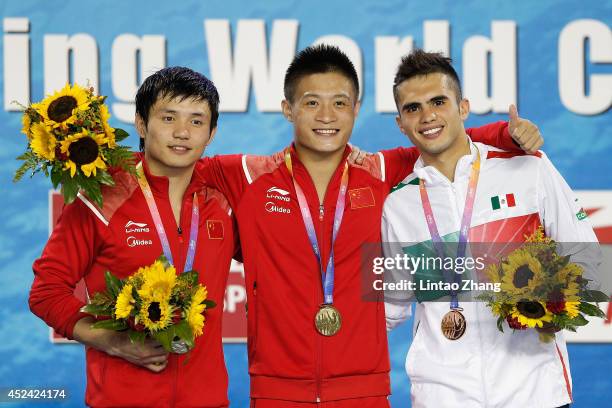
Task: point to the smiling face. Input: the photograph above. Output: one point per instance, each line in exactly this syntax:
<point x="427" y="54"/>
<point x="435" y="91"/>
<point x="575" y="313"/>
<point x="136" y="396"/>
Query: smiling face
<point x="430" y="115"/>
<point x="176" y="134"/>
<point x="323" y="111"/>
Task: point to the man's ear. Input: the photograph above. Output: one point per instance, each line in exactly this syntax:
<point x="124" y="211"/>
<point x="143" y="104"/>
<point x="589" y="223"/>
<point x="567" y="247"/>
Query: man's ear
<point x="464" y="109"/>
<point x="212" y="135"/>
<point x="140" y="125"/>
<point x="286" y="108"/>
<point x="356" y="108"/>
<point x="398" y="121"/>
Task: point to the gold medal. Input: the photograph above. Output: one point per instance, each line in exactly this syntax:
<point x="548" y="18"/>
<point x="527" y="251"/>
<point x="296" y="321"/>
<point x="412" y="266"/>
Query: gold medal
<point x="453" y="324"/>
<point x="328" y="320"/>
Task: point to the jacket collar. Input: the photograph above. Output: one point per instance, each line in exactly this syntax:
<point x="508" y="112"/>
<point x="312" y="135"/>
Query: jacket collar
<point x="433" y="177"/>
<point x="160" y="184"/>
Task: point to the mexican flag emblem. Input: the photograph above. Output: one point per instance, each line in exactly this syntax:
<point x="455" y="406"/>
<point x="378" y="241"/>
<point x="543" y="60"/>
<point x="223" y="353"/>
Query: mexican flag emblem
<point x="503" y="201"/>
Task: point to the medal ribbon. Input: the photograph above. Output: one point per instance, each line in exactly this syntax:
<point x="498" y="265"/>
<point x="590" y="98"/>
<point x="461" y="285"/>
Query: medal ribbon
<point x="465" y="221"/>
<point x="159" y="226"/>
<point x="327" y="275"/>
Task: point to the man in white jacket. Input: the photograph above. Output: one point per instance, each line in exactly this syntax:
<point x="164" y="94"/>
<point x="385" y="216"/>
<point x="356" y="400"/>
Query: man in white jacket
<point x="470" y="192"/>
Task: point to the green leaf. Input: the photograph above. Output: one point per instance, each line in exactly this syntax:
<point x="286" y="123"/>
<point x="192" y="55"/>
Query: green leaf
<point x="70" y="188"/>
<point x="209" y="303"/>
<point x="136" y="336"/>
<point x="21" y="171"/>
<point x="56" y="177"/>
<point x="105" y="178"/>
<point x="110" y="324"/>
<point x="113" y="284"/>
<point x="500" y="323"/>
<point x="183" y="331"/>
<point x="190" y="277"/>
<point x="595" y="296"/>
<point x="165" y="338"/>
<point x="91" y="186"/>
<point x="591" y="310"/>
<point x="97" y="310"/>
<point x="579" y="321"/>
<point x="120" y="134"/>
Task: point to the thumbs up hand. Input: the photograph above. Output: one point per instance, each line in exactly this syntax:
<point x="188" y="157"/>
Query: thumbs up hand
<point x="524" y="132"/>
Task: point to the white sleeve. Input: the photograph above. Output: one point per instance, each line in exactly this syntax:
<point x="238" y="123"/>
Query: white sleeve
<point x="565" y="221"/>
<point x="396" y="311"/>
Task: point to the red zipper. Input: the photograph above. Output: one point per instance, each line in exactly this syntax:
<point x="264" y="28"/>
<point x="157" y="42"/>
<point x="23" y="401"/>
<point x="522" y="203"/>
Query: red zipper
<point x="320" y="296"/>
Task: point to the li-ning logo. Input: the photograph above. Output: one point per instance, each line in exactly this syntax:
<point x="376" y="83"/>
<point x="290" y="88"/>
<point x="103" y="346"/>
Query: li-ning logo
<point x="272" y="207"/>
<point x="133" y="241"/>
<point x="278" y="194"/>
<point x="132" y="226"/>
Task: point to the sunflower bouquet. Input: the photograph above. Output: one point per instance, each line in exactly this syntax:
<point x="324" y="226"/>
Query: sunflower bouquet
<point x="154" y="302"/>
<point x="70" y="141"/>
<point x="541" y="289"/>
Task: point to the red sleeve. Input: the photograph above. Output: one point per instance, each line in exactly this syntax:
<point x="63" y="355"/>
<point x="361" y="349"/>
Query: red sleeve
<point x="398" y="164"/>
<point x="224" y="173"/>
<point x="494" y="134"/>
<point x="66" y="258"/>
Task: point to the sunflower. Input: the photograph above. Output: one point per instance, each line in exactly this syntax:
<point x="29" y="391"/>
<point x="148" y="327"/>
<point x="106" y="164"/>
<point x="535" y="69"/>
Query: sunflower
<point x="158" y="281"/>
<point x="83" y="150"/>
<point x="155" y="314"/>
<point x="572" y="309"/>
<point x="43" y="141"/>
<point x="125" y="302"/>
<point x="26" y="121"/>
<point x="109" y="132"/>
<point x="194" y="315"/>
<point x="569" y="277"/>
<point x="531" y="313"/>
<point x="522" y="273"/>
<point x="492" y="272"/>
<point x="60" y="109"/>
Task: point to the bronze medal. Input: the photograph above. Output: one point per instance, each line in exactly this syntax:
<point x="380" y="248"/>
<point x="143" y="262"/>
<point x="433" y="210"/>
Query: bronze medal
<point x="453" y="324"/>
<point x="328" y="320"/>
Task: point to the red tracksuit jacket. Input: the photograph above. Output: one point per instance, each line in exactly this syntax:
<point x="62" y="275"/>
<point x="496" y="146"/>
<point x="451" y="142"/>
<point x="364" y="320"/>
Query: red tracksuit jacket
<point x="288" y="359"/>
<point x="121" y="237"/>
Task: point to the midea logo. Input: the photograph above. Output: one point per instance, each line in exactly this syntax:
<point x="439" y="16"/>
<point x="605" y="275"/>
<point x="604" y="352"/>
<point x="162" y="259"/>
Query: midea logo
<point x="273" y="208"/>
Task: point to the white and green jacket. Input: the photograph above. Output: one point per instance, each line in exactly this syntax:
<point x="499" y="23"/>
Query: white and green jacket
<point x="485" y="367"/>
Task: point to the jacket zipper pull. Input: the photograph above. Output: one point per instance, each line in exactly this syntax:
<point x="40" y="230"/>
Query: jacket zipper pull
<point x="321" y="210"/>
<point x="180" y="234"/>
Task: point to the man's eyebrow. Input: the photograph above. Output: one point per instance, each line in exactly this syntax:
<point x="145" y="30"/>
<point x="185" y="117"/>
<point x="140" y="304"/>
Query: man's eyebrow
<point x="438" y="98"/>
<point x="410" y="105"/>
<point x="172" y="111"/>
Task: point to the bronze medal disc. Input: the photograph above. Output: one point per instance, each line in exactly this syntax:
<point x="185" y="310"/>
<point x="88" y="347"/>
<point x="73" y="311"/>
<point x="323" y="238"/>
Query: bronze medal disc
<point x="453" y="324"/>
<point x="328" y="320"/>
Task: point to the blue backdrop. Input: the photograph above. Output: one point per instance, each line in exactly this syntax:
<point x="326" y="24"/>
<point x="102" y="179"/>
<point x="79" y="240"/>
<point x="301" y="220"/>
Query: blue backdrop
<point x="578" y="133"/>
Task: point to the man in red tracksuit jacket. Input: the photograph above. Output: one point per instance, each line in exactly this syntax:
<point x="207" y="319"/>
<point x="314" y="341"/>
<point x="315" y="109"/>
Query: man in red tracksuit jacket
<point x="177" y="111"/>
<point x="291" y="363"/>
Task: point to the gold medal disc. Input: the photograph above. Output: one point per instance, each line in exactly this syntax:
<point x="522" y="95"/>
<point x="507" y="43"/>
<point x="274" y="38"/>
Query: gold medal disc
<point x="453" y="324"/>
<point x="328" y="320"/>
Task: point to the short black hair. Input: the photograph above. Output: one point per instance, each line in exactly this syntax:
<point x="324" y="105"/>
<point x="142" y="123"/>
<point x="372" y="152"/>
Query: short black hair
<point x="318" y="59"/>
<point x="173" y="82"/>
<point x="418" y="63"/>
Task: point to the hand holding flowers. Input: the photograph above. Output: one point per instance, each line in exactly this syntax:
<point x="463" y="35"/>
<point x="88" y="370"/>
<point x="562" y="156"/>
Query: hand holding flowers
<point x="154" y="302"/>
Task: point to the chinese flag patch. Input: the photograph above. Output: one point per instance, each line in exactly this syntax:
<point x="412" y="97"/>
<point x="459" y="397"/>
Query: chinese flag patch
<point x="361" y="197"/>
<point x="215" y="229"/>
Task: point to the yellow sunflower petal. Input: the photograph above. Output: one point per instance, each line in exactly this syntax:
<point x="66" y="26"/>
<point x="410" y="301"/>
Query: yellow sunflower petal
<point x="43" y="142"/>
<point x="125" y="302"/>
